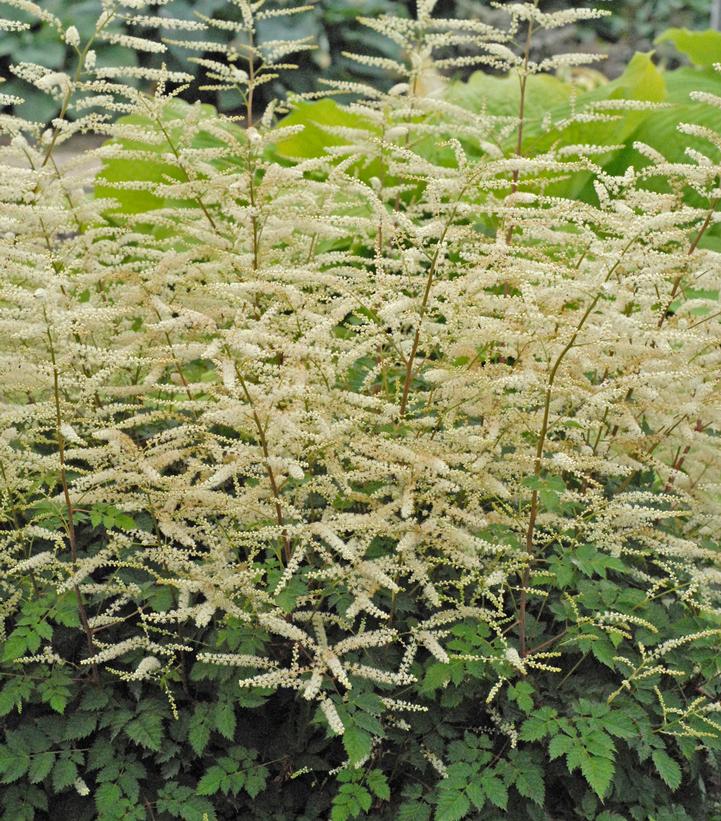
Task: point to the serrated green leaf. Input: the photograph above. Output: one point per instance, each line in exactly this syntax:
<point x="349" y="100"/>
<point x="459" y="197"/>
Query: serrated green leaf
<point x="477" y="795"/>
<point x="529" y="783"/>
<point x="224" y="719"/>
<point x="413" y="811"/>
<point x="79" y="725"/>
<point x="437" y="675"/>
<point x="495" y="790"/>
<point x="378" y="784"/>
<point x="14" y="647"/>
<point x="40" y="766"/>
<point x="107" y="796"/>
<point x="199" y="729"/>
<point x="255" y="780"/>
<point x="65" y="772"/>
<point x="559" y="745"/>
<point x="212" y="781"/>
<point x="521" y="693"/>
<point x="598" y="772"/>
<point x="667" y="768"/>
<point x="452" y="805"/>
<point x="357" y="743"/>
<point x="146" y="730"/>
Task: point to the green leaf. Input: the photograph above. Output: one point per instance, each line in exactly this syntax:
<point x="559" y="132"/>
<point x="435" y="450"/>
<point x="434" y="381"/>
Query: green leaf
<point x="475" y="792"/>
<point x="495" y="790"/>
<point x="146" y="730"/>
<point x="199" y="730"/>
<point x="255" y="780"/>
<point x="224" y="719"/>
<point x="437" y="676"/>
<point x="316" y="117"/>
<point x="413" y="811"/>
<point x="358" y="744"/>
<point x="619" y="724"/>
<point x="65" y="772"/>
<point x="181" y="802"/>
<point x="560" y="745"/>
<point x="521" y="694"/>
<point x="452" y="805"/>
<point x="529" y="783"/>
<point x="598" y="772"/>
<point x="40" y="766"/>
<point x="107" y="796"/>
<point x="14" y="647"/>
<point x="703" y="48"/>
<point x="667" y="768"/>
<point x="212" y="781"/>
<point x="538" y="726"/>
<point x="378" y="784"/>
<point x="79" y="725"/>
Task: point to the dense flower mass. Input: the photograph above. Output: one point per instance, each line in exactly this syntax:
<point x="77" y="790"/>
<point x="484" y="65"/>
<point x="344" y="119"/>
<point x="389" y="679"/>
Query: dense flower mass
<point x="338" y="419"/>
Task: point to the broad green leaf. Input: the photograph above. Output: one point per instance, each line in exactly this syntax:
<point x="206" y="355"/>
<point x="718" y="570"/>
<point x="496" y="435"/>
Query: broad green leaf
<point x="316" y="118"/>
<point x="500" y="96"/>
<point x="157" y="168"/>
<point x="703" y="48"/>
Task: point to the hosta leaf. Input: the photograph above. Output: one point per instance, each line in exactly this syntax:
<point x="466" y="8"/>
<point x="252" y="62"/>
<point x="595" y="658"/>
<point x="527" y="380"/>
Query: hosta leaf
<point x="703" y="48"/>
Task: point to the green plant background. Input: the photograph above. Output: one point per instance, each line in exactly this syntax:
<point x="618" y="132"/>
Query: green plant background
<point x="332" y="25"/>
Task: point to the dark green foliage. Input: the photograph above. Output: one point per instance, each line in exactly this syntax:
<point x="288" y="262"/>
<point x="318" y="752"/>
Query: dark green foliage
<point x="557" y="745"/>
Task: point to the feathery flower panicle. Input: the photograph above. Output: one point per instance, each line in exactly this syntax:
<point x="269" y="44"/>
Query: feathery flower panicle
<point x="299" y="393"/>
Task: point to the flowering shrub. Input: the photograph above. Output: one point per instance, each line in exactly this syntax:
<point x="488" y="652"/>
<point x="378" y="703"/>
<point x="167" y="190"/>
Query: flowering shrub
<point x="380" y="480"/>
